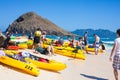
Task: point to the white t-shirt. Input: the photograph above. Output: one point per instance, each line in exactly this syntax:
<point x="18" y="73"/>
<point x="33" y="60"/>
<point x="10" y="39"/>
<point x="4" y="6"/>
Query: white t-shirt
<point x="44" y="36"/>
<point x="98" y="39"/>
<point x="117" y="50"/>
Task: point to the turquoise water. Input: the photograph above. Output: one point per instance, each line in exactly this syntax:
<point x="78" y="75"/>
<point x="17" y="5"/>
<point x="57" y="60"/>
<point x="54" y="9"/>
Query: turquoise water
<point x="106" y="41"/>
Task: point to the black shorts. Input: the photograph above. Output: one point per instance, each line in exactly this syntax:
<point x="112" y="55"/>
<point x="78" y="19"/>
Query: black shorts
<point x="85" y="42"/>
<point x="36" y="40"/>
<point x="45" y="51"/>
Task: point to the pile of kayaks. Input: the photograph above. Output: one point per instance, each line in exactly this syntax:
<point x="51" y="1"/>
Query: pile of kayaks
<point x="70" y="52"/>
<point x="67" y="47"/>
<point x="30" y="65"/>
<point x="20" y="43"/>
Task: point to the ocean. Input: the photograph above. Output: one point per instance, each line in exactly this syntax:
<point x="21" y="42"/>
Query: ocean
<point x="107" y="41"/>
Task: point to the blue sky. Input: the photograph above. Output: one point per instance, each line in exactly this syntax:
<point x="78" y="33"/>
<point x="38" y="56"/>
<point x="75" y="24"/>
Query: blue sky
<point x="68" y="14"/>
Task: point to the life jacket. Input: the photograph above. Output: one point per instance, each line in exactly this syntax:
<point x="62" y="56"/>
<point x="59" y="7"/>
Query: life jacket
<point x="37" y="34"/>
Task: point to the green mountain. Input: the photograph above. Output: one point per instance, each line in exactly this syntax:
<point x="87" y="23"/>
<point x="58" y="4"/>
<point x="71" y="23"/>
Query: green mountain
<point x="100" y="32"/>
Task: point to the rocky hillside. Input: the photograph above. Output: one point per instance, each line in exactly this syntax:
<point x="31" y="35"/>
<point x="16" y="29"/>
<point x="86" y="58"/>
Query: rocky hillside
<point x="30" y="21"/>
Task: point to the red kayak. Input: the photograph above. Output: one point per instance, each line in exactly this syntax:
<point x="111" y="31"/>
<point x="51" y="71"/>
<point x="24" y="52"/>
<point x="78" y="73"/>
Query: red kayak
<point x="13" y="47"/>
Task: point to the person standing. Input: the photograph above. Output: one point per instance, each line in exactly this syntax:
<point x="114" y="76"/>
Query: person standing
<point x="96" y="43"/>
<point x="30" y="36"/>
<point x="7" y="40"/>
<point x="37" y="37"/>
<point x="85" y="38"/>
<point x="79" y="44"/>
<point x="61" y="41"/>
<point x="116" y="52"/>
<point x="2" y="39"/>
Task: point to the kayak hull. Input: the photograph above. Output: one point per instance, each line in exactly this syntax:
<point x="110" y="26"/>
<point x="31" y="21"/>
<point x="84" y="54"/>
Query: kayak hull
<point x="26" y="67"/>
<point x="79" y="55"/>
<point x="52" y="65"/>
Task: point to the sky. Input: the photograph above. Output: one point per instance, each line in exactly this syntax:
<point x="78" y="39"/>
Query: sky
<point x="67" y="14"/>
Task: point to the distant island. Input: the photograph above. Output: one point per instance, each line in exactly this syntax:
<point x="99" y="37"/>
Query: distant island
<point x="100" y="32"/>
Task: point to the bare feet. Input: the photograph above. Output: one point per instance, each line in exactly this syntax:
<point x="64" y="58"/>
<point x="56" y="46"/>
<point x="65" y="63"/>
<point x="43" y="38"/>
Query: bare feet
<point x="53" y="54"/>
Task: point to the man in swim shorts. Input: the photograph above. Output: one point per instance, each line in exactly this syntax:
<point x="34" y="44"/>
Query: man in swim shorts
<point x="96" y="43"/>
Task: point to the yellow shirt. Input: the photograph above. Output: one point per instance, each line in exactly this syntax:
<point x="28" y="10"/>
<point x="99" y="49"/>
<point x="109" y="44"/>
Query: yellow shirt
<point x="37" y="33"/>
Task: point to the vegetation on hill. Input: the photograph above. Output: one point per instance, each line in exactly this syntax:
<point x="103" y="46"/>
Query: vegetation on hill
<point x="101" y="32"/>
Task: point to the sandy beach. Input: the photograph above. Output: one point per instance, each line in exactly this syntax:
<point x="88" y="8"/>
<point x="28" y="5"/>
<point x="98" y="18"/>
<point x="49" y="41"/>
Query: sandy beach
<point x="66" y="27"/>
<point x="95" y="67"/>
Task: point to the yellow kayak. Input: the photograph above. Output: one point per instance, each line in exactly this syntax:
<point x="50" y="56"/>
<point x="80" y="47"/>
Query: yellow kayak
<point x="51" y="65"/>
<point x="26" y="45"/>
<point x="64" y="48"/>
<point x="23" y="46"/>
<point x="11" y="52"/>
<point x="20" y="39"/>
<point x="30" y="44"/>
<point x="28" y="68"/>
<point x="93" y="50"/>
<point x="79" y="55"/>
